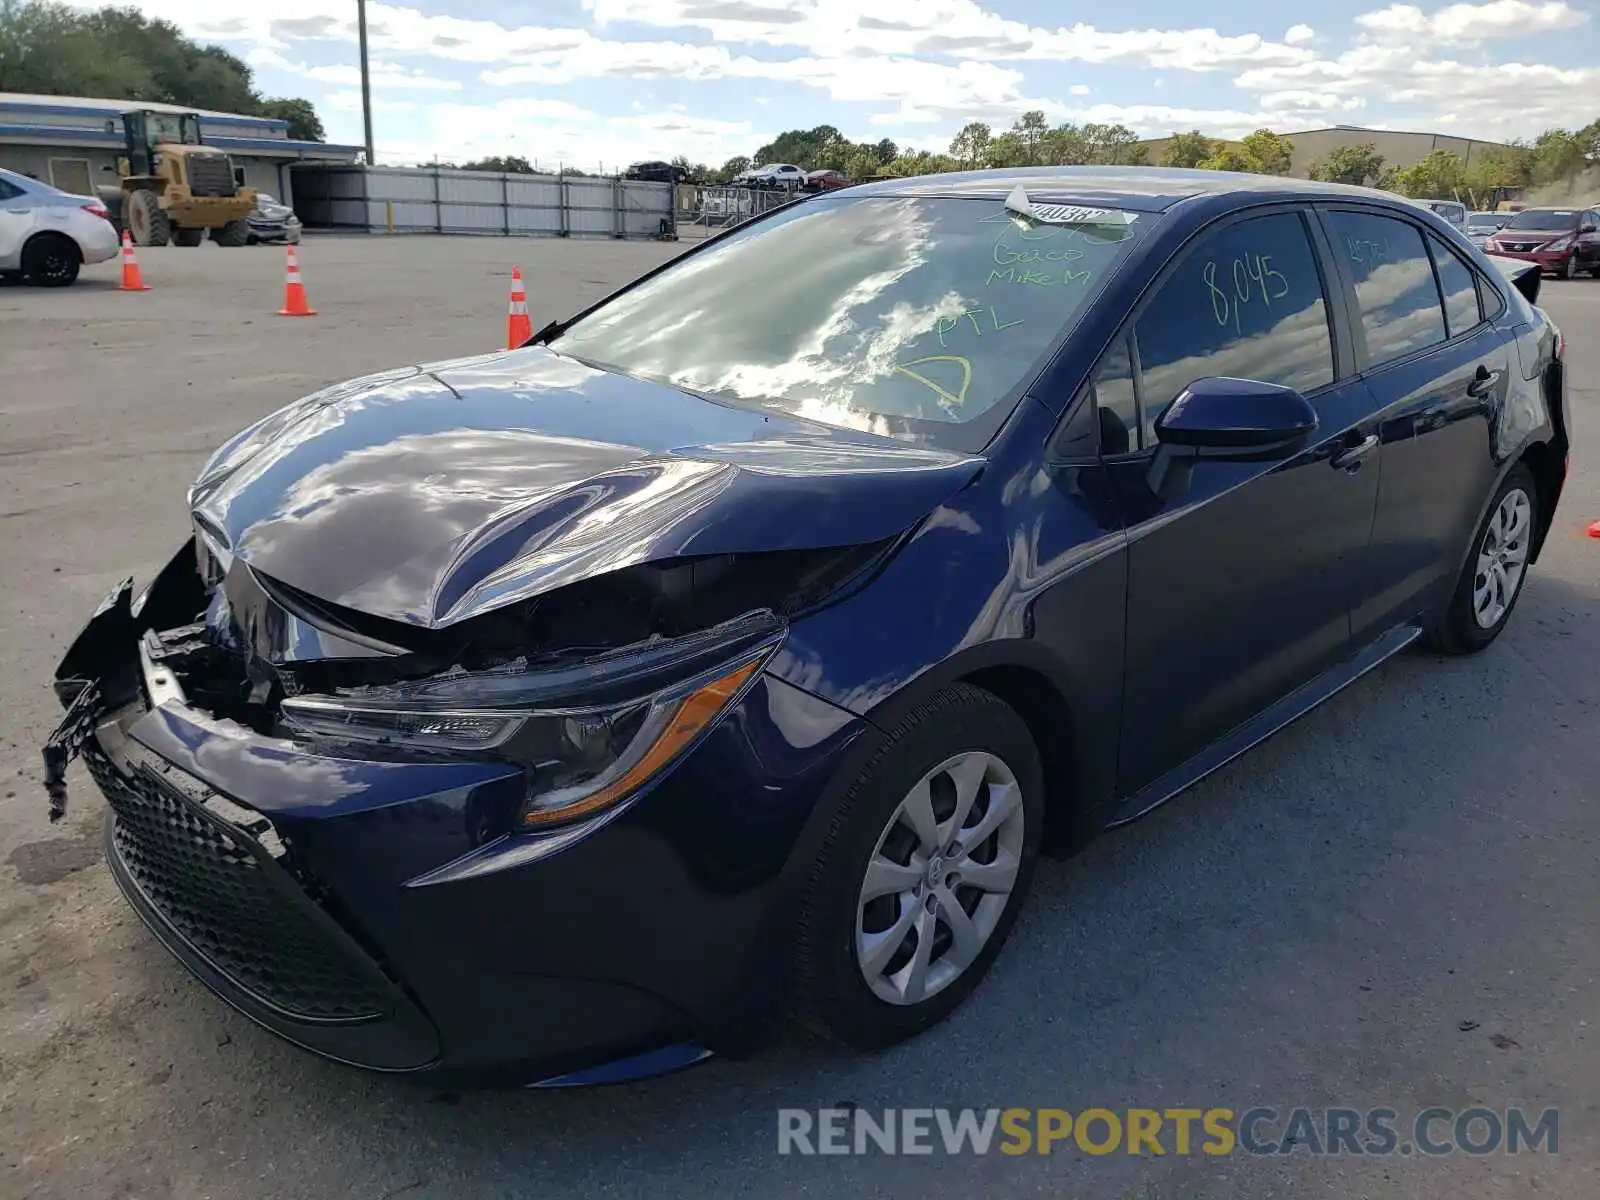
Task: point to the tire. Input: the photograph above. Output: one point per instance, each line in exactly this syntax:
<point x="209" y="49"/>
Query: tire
<point x="1462" y="629"/>
<point x="840" y="935"/>
<point x="1569" y="269"/>
<point x="51" y="260"/>
<point x="188" y="237"/>
<point x="234" y="233"/>
<point x="147" y="220"/>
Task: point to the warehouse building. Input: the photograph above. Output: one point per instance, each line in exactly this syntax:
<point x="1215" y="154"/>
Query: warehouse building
<point x="73" y="142"/>
<point x="1400" y="148"/>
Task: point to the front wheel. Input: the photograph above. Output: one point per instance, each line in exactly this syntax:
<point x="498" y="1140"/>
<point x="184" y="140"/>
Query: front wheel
<point x="929" y="855"/>
<point x="188" y="237"/>
<point x="1495" y="570"/>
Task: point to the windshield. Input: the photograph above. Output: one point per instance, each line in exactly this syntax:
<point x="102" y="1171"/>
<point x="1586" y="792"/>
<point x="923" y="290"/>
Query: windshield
<point x="1550" y="218"/>
<point x="914" y="317"/>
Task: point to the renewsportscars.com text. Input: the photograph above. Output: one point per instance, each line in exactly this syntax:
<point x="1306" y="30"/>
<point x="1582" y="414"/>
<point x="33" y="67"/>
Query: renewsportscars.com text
<point x="1157" y="1132"/>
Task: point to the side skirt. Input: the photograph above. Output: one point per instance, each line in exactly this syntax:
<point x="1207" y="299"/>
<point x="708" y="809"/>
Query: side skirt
<point x="1258" y="729"/>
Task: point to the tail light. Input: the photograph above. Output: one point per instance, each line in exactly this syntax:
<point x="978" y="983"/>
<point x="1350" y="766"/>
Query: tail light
<point x="97" y="209"/>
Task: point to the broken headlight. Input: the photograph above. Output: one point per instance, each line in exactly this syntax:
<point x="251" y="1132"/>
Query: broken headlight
<point x="581" y="758"/>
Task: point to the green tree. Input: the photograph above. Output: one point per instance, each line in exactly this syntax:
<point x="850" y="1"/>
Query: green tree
<point x="970" y="147"/>
<point x="1066" y="145"/>
<point x="1228" y="158"/>
<point x="1113" y="145"/>
<point x="1557" y="155"/>
<point x="511" y="164"/>
<point x="1009" y="150"/>
<point x="885" y="151"/>
<point x="51" y="50"/>
<point x="304" y="124"/>
<point x="121" y="54"/>
<point x="1360" y="165"/>
<point x="1030" y="129"/>
<point x="731" y="169"/>
<point x="1269" y="153"/>
<point x="1187" y="149"/>
<point x="1438" y="176"/>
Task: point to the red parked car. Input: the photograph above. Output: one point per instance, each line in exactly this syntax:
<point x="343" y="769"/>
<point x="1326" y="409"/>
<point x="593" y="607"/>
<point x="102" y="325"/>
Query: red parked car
<point x="1562" y="241"/>
<point x="826" y="181"/>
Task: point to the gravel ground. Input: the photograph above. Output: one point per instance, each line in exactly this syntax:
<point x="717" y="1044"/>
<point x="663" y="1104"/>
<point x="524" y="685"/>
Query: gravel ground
<point x="1391" y="904"/>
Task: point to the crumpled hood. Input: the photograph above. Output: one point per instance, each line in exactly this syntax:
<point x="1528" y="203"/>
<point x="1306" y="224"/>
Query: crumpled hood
<point x="432" y="494"/>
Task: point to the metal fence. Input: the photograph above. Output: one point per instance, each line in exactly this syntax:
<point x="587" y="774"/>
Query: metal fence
<point x="443" y="200"/>
<point x="720" y="207"/>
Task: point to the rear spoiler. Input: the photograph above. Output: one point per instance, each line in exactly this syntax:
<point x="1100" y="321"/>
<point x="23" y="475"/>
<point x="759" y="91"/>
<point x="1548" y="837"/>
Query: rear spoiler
<point x="1524" y="276"/>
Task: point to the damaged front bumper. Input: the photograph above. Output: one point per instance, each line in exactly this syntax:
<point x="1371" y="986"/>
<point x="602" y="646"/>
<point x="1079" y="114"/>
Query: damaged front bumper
<point x="383" y="910"/>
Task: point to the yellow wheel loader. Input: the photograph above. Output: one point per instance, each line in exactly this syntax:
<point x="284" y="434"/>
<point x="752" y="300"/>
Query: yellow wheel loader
<point x="174" y="188"/>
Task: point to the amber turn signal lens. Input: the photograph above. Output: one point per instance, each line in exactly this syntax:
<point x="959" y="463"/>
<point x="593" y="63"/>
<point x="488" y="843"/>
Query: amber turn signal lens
<point x="694" y="712"/>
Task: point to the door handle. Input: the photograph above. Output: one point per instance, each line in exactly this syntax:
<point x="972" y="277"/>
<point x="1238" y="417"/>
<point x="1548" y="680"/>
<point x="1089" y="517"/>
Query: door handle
<point x="1352" y="456"/>
<point x="1483" y="383"/>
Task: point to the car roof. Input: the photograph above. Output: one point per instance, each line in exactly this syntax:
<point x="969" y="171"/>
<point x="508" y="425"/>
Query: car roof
<point x="1141" y="189"/>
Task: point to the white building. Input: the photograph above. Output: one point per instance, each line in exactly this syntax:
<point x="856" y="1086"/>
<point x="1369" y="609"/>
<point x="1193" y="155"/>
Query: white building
<point x="68" y="140"/>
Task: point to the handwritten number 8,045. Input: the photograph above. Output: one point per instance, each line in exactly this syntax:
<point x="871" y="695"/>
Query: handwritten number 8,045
<point x="1246" y="275"/>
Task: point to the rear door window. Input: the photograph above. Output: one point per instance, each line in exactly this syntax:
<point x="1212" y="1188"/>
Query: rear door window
<point x="1396" y="293"/>
<point x="1247" y="301"/>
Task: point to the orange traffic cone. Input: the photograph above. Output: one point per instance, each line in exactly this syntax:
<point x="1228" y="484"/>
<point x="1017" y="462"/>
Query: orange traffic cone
<point x="132" y="281"/>
<point x="294" y="292"/>
<point x="518" y="328"/>
<point x="1594" y="530"/>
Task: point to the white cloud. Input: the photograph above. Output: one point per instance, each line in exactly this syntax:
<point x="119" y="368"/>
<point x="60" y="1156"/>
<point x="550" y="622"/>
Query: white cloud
<point x="381" y="75"/>
<point x="960" y="29"/>
<point x="1472" y="22"/>
<point x="919" y="73"/>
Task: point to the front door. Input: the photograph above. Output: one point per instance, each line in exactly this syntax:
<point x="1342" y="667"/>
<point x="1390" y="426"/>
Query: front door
<point x="1240" y="588"/>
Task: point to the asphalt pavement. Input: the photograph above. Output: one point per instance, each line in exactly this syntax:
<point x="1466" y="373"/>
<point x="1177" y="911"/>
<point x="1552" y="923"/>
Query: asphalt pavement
<point x="1392" y="904"/>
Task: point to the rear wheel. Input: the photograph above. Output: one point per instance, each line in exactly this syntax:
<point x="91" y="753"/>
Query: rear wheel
<point x="147" y="220"/>
<point x="927" y="861"/>
<point x="51" y="260"/>
<point x="1495" y="570"/>
<point x="234" y="233"/>
<point x="188" y="237"/>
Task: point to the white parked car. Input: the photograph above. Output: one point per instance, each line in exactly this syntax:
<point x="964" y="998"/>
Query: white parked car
<point x="47" y="234"/>
<point x="1451" y="210"/>
<point x="773" y="175"/>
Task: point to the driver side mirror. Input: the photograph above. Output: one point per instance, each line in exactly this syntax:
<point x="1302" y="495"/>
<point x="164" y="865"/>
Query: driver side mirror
<point x="1236" y="416"/>
<point x="1241" y="420"/>
<point x="1586" y="229"/>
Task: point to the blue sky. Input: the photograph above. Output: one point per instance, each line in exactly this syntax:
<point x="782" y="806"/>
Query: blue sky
<point x="600" y="82"/>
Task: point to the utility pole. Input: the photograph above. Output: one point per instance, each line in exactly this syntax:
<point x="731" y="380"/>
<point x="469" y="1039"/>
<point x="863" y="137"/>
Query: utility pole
<point x="366" y="82"/>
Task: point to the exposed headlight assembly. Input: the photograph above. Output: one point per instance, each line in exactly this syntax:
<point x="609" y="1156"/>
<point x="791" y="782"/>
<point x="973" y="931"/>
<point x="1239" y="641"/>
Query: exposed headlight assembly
<point x="589" y="734"/>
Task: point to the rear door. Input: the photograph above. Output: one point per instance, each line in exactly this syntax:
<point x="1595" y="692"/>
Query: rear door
<point x="1240" y="588"/>
<point x="16" y="222"/>
<point x="1589" y="243"/>
<point x="1438" y="373"/>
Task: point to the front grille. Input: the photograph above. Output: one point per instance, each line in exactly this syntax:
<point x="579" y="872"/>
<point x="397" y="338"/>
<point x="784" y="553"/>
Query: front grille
<point x="210" y="174"/>
<point x="233" y="904"/>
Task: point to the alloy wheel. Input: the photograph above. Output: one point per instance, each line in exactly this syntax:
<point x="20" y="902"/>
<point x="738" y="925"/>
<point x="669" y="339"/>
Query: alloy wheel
<point x="940" y="877"/>
<point x="1502" y="558"/>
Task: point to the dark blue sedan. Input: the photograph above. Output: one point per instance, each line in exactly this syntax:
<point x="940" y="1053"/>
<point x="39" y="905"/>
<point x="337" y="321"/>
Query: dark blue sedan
<point x="736" y="647"/>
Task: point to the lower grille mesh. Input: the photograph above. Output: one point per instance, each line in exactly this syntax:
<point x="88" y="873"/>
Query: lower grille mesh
<point x="220" y="895"/>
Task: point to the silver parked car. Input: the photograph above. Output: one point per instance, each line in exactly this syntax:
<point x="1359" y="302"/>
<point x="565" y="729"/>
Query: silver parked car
<point x="1481" y="226"/>
<point x="273" y="221"/>
<point x="47" y="234"/>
